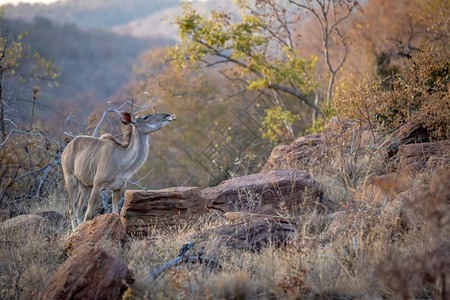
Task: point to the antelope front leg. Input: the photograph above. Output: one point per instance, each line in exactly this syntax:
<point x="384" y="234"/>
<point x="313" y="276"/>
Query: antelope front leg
<point x="91" y="204"/>
<point x="71" y="184"/>
<point x="115" y="201"/>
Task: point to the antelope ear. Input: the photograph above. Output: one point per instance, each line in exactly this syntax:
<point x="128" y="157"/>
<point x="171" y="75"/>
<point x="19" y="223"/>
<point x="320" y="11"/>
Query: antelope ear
<point x="127" y="118"/>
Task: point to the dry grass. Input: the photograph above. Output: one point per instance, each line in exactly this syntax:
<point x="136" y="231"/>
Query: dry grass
<point x="389" y="245"/>
<point x="28" y="259"/>
<point x="368" y="254"/>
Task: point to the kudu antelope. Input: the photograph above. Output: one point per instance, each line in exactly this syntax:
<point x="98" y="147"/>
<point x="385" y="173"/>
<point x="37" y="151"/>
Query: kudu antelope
<point x="91" y="165"/>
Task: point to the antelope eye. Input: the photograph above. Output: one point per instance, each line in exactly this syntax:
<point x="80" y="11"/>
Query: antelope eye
<point x="145" y="117"/>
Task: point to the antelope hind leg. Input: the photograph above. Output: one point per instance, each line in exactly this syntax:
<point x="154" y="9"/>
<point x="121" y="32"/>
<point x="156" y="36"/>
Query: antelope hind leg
<point x="115" y="201"/>
<point x="92" y="200"/>
<point x="85" y="191"/>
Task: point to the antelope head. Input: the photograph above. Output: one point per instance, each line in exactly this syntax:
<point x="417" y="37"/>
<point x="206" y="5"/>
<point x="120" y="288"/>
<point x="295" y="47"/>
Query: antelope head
<point x="92" y="164"/>
<point x="147" y="123"/>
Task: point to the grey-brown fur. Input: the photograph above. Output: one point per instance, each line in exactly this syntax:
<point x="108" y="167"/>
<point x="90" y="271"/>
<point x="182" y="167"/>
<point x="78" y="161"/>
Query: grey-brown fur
<point x="91" y="165"/>
<point x="126" y="138"/>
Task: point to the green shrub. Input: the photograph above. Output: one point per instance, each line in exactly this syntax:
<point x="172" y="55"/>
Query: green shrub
<point x="419" y="93"/>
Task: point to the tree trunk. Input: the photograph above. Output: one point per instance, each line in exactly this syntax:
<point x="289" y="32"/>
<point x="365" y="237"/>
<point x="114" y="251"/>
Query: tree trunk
<point x="2" y="110"/>
<point x="330" y="89"/>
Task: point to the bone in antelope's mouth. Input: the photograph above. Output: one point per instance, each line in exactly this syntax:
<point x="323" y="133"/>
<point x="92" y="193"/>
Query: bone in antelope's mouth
<point x="171" y="118"/>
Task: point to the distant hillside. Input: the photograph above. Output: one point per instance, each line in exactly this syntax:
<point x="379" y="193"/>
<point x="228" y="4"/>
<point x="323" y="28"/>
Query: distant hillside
<point x="95" y="43"/>
<point x="160" y="23"/>
<point x="89" y="13"/>
<point x="94" y="64"/>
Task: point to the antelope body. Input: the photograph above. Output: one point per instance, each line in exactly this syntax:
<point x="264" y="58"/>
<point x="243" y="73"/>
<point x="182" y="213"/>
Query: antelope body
<point x="91" y="165"/>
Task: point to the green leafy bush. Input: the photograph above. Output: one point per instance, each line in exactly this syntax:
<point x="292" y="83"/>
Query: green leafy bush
<point x="277" y="122"/>
<point x="419" y="93"/>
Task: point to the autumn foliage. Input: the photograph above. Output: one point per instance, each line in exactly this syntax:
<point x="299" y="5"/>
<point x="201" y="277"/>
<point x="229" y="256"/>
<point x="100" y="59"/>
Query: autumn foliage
<point x="417" y="93"/>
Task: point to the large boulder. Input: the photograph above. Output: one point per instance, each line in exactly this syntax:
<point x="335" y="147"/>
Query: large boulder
<point x="250" y="234"/>
<point x="105" y="230"/>
<point x="297" y="155"/>
<point x="419" y="156"/>
<point x="24" y="223"/>
<point x="308" y="151"/>
<point x="264" y="192"/>
<point x="409" y="133"/>
<point x="46" y="222"/>
<point x="143" y="210"/>
<point x="90" y="273"/>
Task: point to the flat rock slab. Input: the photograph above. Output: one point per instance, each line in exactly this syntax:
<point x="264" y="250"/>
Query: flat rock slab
<point x="24" y="223"/>
<point x="409" y="133"/>
<point x="90" y="273"/>
<point x="419" y="156"/>
<point x="143" y="210"/>
<point x="249" y="235"/>
<point x="263" y="192"/>
<point x="104" y="230"/>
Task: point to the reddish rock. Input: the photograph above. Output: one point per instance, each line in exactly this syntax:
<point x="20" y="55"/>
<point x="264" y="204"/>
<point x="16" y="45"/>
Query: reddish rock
<point x="90" y="273"/>
<point x="250" y="234"/>
<point x="297" y="155"/>
<point x="278" y="158"/>
<point x="104" y="230"/>
<point x="409" y="133"/>
<point x="143" y="210"/>
<point x="416" y="156"/>
<point x="263" y="192"/>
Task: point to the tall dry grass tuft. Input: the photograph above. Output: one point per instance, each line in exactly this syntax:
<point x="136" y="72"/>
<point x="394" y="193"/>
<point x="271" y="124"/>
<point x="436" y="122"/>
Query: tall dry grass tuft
<point x="28" y="258"/>
<point x="422" y="269"/>
<point x="234" y="285"/>
<point x="371" y="254"/>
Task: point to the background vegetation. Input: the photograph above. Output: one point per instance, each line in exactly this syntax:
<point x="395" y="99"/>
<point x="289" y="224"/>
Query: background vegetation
<point x="241" y="79"/>
<point x="238" y="83"/>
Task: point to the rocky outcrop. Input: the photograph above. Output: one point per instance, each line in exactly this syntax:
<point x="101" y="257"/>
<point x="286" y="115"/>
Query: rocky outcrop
<point x="45" y="222"/>
<point x="249" y="235"/>
<point x="90" y="273"/>
<point x="409" y="133"/>
<point x="263" y="192"/>
<point x="419" y="156"/>
<point x="105" y="230"/>
<point x="297" y="155"/>
<point x="143" y="210"/>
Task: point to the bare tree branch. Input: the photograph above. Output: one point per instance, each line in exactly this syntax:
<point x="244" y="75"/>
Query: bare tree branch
<point x="182" y="257"/>
<point x="327" y="29"/>
<point x="279" y="87"/>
